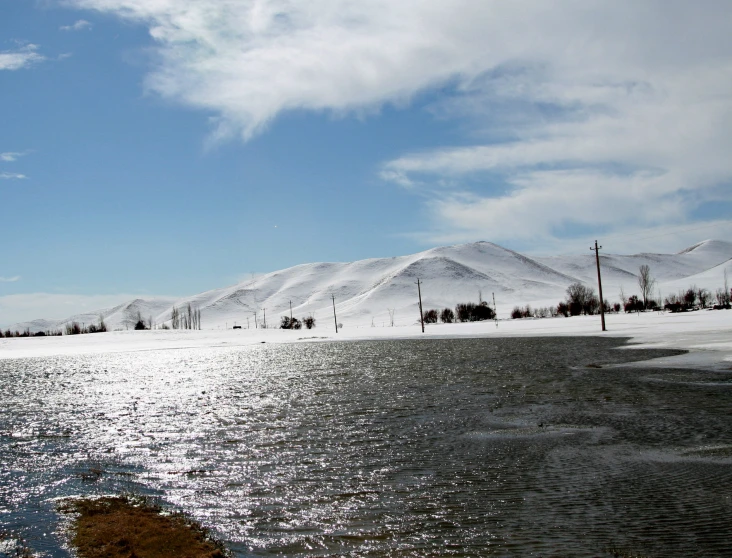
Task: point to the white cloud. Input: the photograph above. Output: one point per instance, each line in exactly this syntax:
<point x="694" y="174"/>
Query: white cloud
<point x="11" y="156"/>
<point x="10" y="279"/>
<point x="77" y="26"/>
<point x="20" y="58"/>
<point x="12" y="176"/>
<point x="587" y="106"/>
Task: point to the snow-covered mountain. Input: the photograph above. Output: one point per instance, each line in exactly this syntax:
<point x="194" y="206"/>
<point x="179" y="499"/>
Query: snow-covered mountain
<point x="365" y="291"/>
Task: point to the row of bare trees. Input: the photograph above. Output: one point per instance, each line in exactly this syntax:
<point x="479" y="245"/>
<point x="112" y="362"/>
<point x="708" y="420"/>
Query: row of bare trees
<point x="186" y="317"/>
<point x="75" y="328"/>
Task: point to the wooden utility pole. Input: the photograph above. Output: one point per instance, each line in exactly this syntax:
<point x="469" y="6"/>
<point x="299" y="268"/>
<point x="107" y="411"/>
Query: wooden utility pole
<point x="596" y="249"/>
<point x="421" y="313"/>
<point x="290" y="313"/>
<point x="264" y="319"/>
<point x="335" y="319"/>
<point x="495" y="310"/>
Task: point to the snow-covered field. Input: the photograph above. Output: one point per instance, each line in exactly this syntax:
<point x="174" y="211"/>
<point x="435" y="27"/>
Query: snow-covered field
<point x="367" y="291"/>
<point x="706" y="334"/>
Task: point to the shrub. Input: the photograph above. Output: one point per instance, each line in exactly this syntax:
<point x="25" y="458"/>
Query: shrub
<point x="309" y="322"/>
<point x="563" y="309"/>
<point x="287" y="323"/>
<point x="471" y="312"/>
<point x="140" y="325"/>
<point x="447" y="316"/>
<point x="462" y="313"/>
<point x="690" y="297"/>
<point x="517" y="313"/>
<point x="430" y="317"/>
<point x="634" y="304"/>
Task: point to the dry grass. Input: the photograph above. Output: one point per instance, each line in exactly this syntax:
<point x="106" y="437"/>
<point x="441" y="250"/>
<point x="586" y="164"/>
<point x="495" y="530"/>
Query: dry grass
<point x="122" y="527"/>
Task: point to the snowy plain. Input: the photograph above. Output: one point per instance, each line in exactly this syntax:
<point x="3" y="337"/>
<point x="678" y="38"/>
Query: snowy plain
<point x="367" y="291"/>
<point x="706" y="334"/>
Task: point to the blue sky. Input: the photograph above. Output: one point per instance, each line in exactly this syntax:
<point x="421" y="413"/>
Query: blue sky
<point x="161" y="147"/>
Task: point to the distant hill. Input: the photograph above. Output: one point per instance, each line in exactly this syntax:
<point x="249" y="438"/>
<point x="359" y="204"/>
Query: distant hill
<point x="366" y="290"/>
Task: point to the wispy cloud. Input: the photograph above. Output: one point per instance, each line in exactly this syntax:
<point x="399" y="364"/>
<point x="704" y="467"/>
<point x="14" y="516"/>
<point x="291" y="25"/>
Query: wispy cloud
<point x="12" y="176"/>
<point x="21" y="58"/>
<point x="10" y="279"/>
<point x="11" y="156"/>
<point x="609" y="112"/>
<point x="78" y="25"/>
<point x="250" y="61"/>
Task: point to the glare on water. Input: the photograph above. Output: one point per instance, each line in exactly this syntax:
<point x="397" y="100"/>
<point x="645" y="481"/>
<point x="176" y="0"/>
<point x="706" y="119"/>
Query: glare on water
<point x="401" y="448"/>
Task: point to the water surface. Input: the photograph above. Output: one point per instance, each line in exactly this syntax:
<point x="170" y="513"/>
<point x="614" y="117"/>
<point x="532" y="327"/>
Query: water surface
<point x="473" y="447"/>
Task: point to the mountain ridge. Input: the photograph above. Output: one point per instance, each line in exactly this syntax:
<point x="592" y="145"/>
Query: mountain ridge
<point x="366" y="291"/>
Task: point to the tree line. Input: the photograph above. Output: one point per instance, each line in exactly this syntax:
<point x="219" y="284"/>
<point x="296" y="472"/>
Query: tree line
<point x="463" y="312"/>
<point x="581" y="299"/>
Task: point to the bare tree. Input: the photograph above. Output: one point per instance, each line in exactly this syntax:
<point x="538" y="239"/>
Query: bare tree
<point x="703" y="296"/>
<point x="646" y="283"/>
<point x="623" y="298"/>
<point x="130" y="317"/>
<point x="580" y="298"/>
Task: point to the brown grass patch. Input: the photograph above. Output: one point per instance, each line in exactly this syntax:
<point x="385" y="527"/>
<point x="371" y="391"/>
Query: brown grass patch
<point x="121" y="527"/>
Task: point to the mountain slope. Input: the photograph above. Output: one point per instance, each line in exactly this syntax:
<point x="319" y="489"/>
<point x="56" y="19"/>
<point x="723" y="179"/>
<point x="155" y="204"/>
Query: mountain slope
<point x="366" y="291"/>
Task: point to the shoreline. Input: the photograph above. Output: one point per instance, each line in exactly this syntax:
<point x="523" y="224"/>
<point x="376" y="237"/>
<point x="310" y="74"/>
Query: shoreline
<point x="707" y="335"/>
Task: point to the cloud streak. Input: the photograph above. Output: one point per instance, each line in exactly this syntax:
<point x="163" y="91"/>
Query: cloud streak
<point x="12" y="176"/>
<point x="77" y="26"/>
<point x="21" y="58"/>
<point x="10" y="279"/>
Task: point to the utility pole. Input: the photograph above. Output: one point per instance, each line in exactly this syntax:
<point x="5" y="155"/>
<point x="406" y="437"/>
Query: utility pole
<point x="421" y="314"/>
<point x="335" y="319"/>
<point x="290" y="313"/>
<point x="495" y="310"/>
<point x="596" y="249"/>
<point x="264" y="311"/>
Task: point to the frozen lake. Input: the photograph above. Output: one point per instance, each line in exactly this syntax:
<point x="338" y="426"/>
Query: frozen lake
<point x="505" y="446"/>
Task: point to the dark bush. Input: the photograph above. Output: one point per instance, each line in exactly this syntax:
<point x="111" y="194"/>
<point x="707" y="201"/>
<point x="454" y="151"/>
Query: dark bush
<point x="563" y="309"/>
<point x="140" y="325"/>
<point x="447" y="316"/>
<point x="634" y="304"/>
<point x="430" y="317"/>
<point x="462" y="313"/>
<point x="309" y="322"/>
<point x="287" y="323"/>
<point x="471" y="312"/>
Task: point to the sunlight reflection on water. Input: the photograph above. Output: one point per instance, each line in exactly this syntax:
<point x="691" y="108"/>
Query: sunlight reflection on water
<point x="403" y="448"/>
